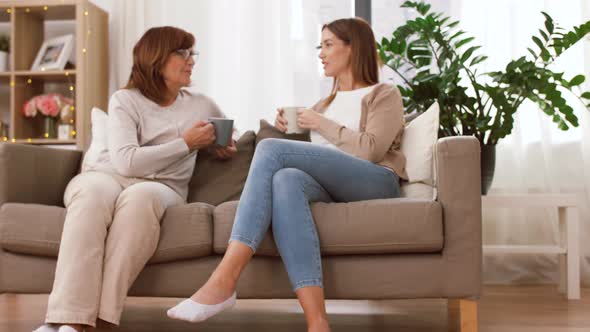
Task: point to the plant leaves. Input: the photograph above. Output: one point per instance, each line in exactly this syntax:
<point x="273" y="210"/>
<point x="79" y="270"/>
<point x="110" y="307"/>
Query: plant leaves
<point x="468" y="53"/>
<point x="532" y="52"/>
<point x="548" y="22"/>
<point x="423" y="8"/>
<point x="545" y="55"/>
<point x="549" y="26"/>
<point x="467" y="105"/>
<point x="544" y="35"/>
<point x="463" y="42"/>
<point x="538" y="42"/>
<point x="577" y="80"/>
<point x="408" y="4"/>
<point x="478" y="59"/>
<point x="453" y="24"/>
<point x="457" y="34"/>
<point x="384" y="43"/>
<point x="443" y="21"/>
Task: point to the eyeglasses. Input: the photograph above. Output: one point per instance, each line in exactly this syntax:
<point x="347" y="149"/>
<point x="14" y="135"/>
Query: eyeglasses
<point x="187" y="53"/>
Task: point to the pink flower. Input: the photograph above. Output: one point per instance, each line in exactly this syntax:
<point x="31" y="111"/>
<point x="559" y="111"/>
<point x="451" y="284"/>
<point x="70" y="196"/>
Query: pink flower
<point x="29" y="109"/>
<point x="48" y="105"/>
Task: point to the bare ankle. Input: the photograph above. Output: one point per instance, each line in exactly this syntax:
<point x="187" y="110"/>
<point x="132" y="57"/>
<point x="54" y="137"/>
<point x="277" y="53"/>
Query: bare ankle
<point x="225" y="275"/>
<point x="225" y="282"/>
<point x="318" y="325"/>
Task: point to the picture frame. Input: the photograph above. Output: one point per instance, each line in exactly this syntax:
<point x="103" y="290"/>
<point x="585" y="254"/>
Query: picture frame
<point x="53" y="54"/>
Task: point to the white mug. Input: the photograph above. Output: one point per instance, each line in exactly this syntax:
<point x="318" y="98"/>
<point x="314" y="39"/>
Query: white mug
<point x="290" y="114"/>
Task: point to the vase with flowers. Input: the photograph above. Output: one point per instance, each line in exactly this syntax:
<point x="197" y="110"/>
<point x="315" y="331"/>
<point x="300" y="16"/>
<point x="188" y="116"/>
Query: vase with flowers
<point x="49" y="106"/>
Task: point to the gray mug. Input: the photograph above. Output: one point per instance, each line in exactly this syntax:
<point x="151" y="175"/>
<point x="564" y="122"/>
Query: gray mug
<point x="223" y="130"/>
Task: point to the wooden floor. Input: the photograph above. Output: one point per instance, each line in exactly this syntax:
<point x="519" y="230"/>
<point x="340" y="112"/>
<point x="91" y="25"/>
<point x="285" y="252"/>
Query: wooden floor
<point x="501" y="309"/>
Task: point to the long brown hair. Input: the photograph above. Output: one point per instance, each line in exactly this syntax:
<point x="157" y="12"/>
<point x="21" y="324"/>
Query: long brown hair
<point x="149" y="56"/>
<point x="357" y="33"/>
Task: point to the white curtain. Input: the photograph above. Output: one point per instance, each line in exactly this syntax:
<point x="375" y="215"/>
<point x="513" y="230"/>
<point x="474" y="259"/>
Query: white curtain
<point x="255" y="55"/>
<point x="537" y="157"/>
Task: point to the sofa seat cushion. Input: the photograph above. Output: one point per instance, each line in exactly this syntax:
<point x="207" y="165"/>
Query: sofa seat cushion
<point x="385" y="226"/>
<point x="186" y="231"/>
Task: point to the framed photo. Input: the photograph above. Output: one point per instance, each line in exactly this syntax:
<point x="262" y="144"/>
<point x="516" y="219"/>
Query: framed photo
<point x="53" y="54"/>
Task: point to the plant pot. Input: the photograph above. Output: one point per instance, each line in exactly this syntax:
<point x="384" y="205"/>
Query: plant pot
<point x="488" y="165"/>
<point x="49" y="127"/>
<point x="3" y="61"/>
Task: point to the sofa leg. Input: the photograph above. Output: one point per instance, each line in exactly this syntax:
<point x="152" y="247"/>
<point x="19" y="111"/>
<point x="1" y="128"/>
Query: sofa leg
<point x="462" y="315"/>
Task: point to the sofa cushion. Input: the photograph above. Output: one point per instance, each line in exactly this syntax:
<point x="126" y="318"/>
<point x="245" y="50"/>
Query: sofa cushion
<point x="33" y="229"/>
<point x="420" y="136"/>
<point x="97" y="151"/>
<point x="384" y="226"/>
<point x="267" y="130"/>
<point x="215" y="181"/>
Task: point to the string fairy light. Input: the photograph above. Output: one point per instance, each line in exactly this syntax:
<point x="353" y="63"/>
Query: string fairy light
<point x="70" y="79"/>
<point x="67" y="73"/>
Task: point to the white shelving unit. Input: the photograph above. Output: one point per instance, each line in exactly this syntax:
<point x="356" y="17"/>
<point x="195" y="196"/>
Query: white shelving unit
<point x="568" y="249"/>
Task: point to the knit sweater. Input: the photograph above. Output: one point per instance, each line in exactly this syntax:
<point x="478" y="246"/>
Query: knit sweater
<point x="145" y="139"/>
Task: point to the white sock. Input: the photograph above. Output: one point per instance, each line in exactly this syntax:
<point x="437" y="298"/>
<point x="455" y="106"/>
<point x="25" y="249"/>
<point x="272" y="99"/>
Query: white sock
<point x="47" y="328"/>
<point x="194" y="312"/>
<point x="65" y="328"/>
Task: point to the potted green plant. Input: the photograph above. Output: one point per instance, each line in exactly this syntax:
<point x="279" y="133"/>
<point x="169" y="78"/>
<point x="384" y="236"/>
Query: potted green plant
<point x="437" y="63"/>
<point x="4" y="49"/>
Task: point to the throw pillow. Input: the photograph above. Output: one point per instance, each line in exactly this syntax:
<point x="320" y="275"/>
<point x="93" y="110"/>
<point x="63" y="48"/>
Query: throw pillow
<point x="215" y="181"/>
<point x="418" y="141"/>
<point x="269" y="131"/>
<point x="98" y="119"/>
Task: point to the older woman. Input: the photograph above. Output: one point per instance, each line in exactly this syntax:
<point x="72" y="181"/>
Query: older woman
<point x="354" y="155"/>
<point x="112" y="226"/>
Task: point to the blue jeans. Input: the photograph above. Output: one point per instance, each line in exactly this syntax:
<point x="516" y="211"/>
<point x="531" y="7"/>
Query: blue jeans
<point x="285" y="176"/>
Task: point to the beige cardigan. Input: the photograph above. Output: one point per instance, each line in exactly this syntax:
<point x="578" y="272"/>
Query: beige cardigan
<point x="381" y="128"/>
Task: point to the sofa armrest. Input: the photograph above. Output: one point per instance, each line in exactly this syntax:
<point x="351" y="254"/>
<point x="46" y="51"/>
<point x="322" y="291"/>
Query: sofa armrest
<point x="35" y="174"/>
<point x="458" y="174"/>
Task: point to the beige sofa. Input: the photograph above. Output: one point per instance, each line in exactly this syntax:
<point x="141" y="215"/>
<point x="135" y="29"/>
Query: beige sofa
<point x="381" y="249"/>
